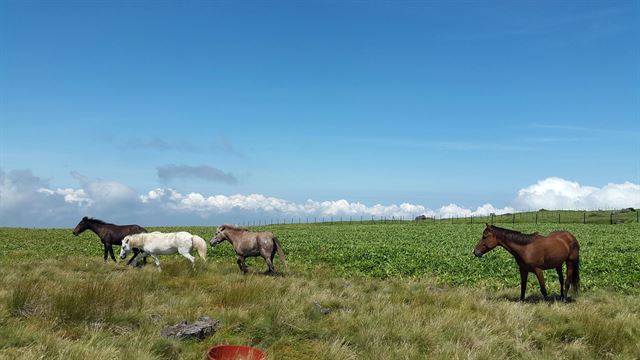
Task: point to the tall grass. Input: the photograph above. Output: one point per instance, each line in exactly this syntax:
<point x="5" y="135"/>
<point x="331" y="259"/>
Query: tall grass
<point x="86" y="309"/>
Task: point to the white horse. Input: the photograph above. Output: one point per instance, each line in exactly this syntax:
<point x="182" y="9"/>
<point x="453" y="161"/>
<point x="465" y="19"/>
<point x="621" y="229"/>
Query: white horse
<point x="157" y="243"/>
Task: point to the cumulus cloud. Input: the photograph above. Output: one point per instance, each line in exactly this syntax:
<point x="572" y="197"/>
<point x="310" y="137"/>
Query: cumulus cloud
<point x="558" y="193"/>
<point x="23" y="203"/>
<point x="28" y="200"/>
<point x="204" y="172"/>
<point x="206" y="206"/>
<point x="453" y="210"/>
<point x="71" y="196"/>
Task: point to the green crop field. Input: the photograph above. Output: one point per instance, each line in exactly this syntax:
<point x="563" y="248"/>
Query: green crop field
<point x="610" y="255"/>
<point x="395" y="291"/>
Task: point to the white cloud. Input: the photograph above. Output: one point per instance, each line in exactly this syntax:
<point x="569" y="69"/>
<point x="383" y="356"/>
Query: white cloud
<point x="206" y="206"/>
<point x="105" y="193"/>
<point x="71" y="196"/>
<point x="27" y="200"/>
<point x="558" y="193"/>
<point x="453" y="210"/>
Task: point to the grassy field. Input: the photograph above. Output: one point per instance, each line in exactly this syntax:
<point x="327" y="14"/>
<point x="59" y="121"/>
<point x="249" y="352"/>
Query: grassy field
<point x="394" y="291"/>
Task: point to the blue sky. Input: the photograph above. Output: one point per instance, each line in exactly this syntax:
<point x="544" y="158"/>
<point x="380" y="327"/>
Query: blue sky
<point x="428" y="103"/>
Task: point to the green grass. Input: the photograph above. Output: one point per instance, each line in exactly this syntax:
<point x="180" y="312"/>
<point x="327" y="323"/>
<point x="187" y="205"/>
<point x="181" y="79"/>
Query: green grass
<point x="610" y="254"/>
<point x="396" y="291"/>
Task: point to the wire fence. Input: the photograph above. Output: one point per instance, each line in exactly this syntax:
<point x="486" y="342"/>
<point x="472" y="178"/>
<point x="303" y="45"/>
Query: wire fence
<point x="624" y="216"/>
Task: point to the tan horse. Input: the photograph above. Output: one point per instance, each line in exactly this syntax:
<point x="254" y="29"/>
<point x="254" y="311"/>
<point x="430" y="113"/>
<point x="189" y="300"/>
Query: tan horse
<point x="535" y="253"/>
<point x="248" y="244"/>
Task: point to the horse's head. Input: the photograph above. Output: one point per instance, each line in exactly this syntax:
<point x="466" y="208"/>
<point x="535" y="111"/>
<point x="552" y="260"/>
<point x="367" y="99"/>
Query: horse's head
<point x="125" y="248"/>
<point x="219" y="236"/>
<point x="487" y="243"/>
<point x="82" y="226"/>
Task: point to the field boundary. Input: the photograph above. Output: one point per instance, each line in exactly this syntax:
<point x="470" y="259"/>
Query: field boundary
<point x="603" y="217"/>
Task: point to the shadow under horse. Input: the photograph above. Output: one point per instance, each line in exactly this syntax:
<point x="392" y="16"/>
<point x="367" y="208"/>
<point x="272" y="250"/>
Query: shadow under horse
<point x="535" y="253"/>
<point x="109" y="234"/>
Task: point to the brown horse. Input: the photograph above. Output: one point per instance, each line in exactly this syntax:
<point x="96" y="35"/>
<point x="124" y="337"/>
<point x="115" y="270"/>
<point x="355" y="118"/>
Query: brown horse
<point x="109" y="234"/>
<point x="247" y="244"/>
<point x="535" y="253"/>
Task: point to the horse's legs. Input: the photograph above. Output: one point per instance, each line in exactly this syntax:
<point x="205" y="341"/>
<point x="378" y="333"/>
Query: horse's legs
<point x="540" y="276"/>
<point x="268" y="258"/>
<point x="189" y="257"/>
<point x="559" y="270"/>
<point x="567" y="281"/>
<point x="110" y="247"/>
<point x="524" y="274"/>
<point x="241" y="264"/>
<point x="269" y="261"/>
<point x="106" y="251"/>
<point x="135" y="253"/>
<point x="144" y="257"/>
<point x="157" y="261"/>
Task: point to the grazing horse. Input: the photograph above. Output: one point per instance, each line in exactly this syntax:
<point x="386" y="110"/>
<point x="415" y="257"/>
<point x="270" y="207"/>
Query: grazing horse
<point x="535" y="253"/>
<point x="248" y="244"/>
<point x="109" y="234"/>
<point x="157" y="243"/>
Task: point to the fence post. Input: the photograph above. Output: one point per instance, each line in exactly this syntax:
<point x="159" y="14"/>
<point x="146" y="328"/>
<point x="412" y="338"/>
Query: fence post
<point x="513" y="218"/>
<point x="584" y="217"/>
<point x="536" y="218"/>
<point x="558" y="217"/>
<point x="611" y="218"/>
<point x="637" y="216"/>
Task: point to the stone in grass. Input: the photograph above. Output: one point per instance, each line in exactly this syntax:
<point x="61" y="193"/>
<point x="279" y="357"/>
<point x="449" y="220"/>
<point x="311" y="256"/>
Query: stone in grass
<point x="323" y="310"/>
<point x="198" y="329"/>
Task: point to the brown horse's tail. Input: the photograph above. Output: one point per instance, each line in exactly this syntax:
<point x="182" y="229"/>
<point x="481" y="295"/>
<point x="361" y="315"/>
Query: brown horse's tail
<point x="200" y="245"/>
<point x="280" y="252"/>
<point x="574" y="282"/>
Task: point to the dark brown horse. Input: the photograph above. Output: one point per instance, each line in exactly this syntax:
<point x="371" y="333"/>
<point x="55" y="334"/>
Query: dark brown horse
<point x="535" y="253"/>
<point x="109" y="234"/>
<point x="248" y="243"/>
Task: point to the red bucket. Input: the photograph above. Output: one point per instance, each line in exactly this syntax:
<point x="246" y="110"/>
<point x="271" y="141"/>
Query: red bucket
<point x="235" y="352"/>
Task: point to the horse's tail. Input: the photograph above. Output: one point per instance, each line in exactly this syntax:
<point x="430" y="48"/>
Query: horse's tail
<point x="280" y="252"/>
<point x="200" y="245"/>
<point x="574" y="282"/>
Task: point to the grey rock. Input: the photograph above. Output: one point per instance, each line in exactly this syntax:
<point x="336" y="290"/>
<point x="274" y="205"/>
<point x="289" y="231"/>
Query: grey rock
<point x="323" y="310"/>
<point x="199" y="329"/>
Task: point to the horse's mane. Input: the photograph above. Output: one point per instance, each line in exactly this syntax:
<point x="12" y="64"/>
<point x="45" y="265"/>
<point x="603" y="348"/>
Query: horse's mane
<point x="513" y="235"/>
<point x="98" y="221"/>
<point x="233" y="227"/>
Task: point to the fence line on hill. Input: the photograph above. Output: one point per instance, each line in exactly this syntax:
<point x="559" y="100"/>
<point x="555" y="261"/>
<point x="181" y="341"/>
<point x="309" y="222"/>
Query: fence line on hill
<point x="537" y="217"/>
